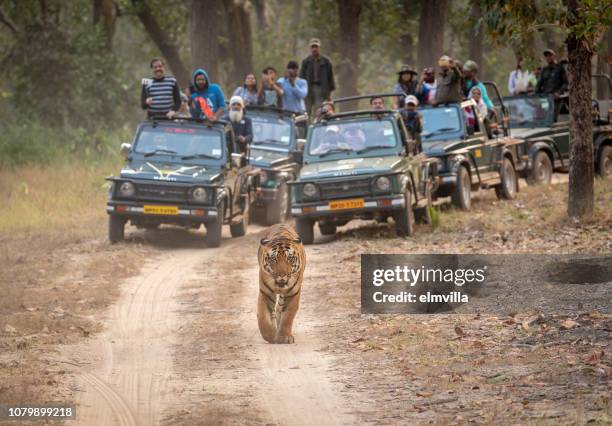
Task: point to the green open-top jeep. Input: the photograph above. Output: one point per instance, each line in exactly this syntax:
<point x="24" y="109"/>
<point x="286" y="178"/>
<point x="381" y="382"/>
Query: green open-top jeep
<point x="360" y="164"/>
<point x="183" y="172"/>
<point x="275" y="137"/>
<point x="472" y="152"/>
<point x="543" y="123"/>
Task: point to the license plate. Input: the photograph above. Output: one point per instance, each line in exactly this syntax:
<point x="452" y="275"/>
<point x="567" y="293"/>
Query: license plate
<point x="165" y="210"/>
<point x="347" y="204"/>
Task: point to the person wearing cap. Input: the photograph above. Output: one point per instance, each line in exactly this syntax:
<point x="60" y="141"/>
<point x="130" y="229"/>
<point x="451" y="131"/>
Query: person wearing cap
<point x="553" y="79"/>
<point x="295" y="89"/>
<point x="470" y="71"/>
<point x="318" y="71"/>
<point x="426" y="87"/>
<point x="242" y="125"/>
<point x="449" y="82"/>
<point x="405" y="85"/>
<point x="413" y="120"/>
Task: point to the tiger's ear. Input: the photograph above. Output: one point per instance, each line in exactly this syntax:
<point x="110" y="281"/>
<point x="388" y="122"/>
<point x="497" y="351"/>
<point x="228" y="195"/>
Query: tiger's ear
<point x="264" y="241"/>
<point x="298" y="240"/>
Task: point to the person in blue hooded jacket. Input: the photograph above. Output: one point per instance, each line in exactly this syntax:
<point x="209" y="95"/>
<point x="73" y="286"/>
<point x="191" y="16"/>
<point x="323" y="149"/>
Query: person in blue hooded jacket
<point x="207" y="99"/>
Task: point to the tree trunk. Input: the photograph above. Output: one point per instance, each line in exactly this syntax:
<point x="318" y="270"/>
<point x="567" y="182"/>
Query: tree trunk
<point x="431" y="32"/>
<point x="295" y="24"/>
<point x="205" y="24"/>
<point x="241" y="41"/>
<point x="581" y="194"/>
<point x="409" y="10"/>
<point x="104" y="10"/>
<point x="476" y="36"/>
<point x="604" y="57"/>
<point x="260" y="13"/>
<point x="348" y="68"/>
<point x="162" y="41"/>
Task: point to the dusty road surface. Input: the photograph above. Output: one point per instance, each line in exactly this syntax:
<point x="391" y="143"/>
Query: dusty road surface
<point x="162" y="330"/>
<point x="126" y="375"/>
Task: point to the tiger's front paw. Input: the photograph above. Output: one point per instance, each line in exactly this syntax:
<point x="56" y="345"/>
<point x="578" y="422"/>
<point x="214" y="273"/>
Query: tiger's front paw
<point x="285" y="339"/>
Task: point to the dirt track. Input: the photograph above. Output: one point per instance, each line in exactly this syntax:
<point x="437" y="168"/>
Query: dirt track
<point x="127" y="376"/>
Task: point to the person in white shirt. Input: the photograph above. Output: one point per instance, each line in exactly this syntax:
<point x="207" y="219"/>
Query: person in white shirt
<point x="520" y="80"/>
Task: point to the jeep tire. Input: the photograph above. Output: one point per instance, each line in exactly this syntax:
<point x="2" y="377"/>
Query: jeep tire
<point x="542" y="170"/>
<point x="506" y="189"/>
<point x="116" y="228"/>
<point x="423" y="214"/>
<point x="327" y="228"/>
<point x="305" y="229"/>
<point x="604" y="163"/>
<point x="404" y="218"/>
<point x="462" y="194"/>
<point x="214" y="228"/>
<point x="276" y="211"/>
<point x="240" y="229"/>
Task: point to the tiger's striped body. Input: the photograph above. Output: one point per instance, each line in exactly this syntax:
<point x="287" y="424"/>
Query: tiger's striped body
<point x="282" y="260"/>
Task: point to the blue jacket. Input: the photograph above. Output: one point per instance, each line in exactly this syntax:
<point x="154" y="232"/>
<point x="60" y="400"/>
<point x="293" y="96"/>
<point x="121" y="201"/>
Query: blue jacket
<point x="212" y="94"/>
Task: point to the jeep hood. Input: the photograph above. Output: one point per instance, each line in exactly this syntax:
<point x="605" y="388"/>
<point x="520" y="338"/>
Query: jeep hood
<point x="349" y="167"/>
<point x="173" y="172"/>
<point x="268" y="158"/>
<point x="529" y="132"/>
<point x="438" y="148"/>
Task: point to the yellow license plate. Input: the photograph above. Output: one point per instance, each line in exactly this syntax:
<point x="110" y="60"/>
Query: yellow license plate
<point x="167" y="210"/>
<point x="347" y="204"/>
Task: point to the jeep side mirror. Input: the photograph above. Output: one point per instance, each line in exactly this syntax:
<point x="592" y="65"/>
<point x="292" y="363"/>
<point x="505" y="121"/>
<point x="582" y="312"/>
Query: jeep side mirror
<point x="297" y="156"/>
<point x="300" y="144"/>
<point x="238" y="160"/>
<point x="125" y="149"/>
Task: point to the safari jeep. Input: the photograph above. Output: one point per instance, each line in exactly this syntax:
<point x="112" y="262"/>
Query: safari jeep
<point x="275" y="137"/>
<point x="360" y="165"/>
<point x="183" y="172"/>
<point x="544" y="124"/>
<point x="471" y="153"/>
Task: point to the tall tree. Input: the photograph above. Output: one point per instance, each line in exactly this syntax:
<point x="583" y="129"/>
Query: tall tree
<point x="105" y="11"/>
<point x="408" y="11"/>
<point x="162" y="41"/>
<point x="260" y="13"/>
<point x="583" y="22"/>
<point x="348" y="67"/>
<point x="431" y="32"/>
<point x="206" y="20"/>
<point x="240" y="40"/>
<point x="476" y="35"/>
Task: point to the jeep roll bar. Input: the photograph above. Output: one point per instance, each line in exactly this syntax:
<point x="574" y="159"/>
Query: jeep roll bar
<point x="374" y="95"/>
<point x="206" y="121"/>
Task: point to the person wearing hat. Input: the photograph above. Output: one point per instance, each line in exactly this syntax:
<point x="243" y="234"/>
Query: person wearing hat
<point x="406" y="85"/>
<point x="242" y="125"/>
<point x="413" y="120"/>
<point x="294" y="88"/>
<point x="553" y="79"/>
<point x="318" y="71"/>
<point x="449" y="82"/>
<point x="470" y="71"/>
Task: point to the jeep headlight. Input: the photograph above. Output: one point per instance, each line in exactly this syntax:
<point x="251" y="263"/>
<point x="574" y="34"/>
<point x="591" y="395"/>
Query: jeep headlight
<point x="310" y="190"/>
<point x="127" y="189"/>
<point x="199" y="195"/>
<point x="383" y="183"/>
<point x="263" y="176"/>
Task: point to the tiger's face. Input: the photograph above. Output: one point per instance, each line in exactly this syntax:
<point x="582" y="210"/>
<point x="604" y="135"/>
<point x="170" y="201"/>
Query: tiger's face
<point x="281" y="260"/>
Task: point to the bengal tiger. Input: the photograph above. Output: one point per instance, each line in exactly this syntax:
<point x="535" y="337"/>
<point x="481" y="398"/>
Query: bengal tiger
<point x="282" y="260"/>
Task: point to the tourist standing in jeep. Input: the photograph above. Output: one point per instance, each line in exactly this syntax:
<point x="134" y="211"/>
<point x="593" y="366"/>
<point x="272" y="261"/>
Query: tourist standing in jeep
<point x="160" y="95"/>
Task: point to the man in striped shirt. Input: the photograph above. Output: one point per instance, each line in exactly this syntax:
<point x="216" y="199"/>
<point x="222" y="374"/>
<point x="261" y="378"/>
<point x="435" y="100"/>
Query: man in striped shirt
<point x="160" y="95"/>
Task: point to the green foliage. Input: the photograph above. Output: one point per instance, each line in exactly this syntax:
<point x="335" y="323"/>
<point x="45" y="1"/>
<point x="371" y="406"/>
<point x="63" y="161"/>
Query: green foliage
<point x="35" y="143"/>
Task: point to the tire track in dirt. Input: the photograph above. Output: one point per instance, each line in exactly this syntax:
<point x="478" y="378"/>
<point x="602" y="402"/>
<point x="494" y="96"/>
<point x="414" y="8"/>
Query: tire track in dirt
<point x="131" y="362"/>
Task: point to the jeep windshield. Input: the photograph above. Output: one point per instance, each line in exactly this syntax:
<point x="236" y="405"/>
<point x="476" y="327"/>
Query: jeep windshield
<point x="269" y="129"/>
<point x="180" y="142"/>
<point x="352" y="137"/>
<point x="438" y="123"/>
<point x="529" y="111"/>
